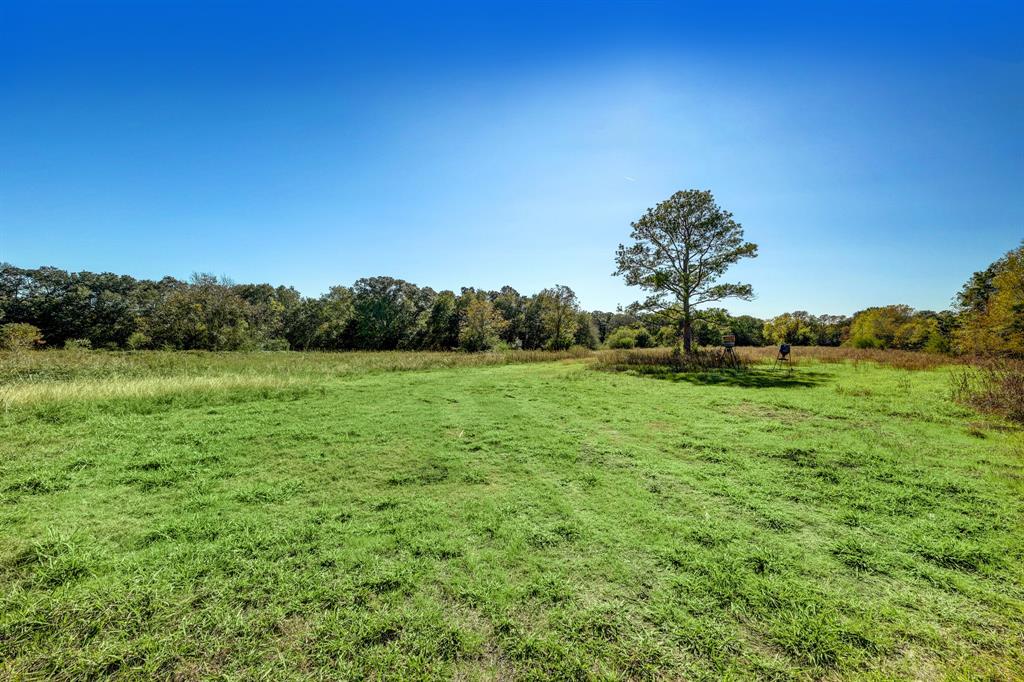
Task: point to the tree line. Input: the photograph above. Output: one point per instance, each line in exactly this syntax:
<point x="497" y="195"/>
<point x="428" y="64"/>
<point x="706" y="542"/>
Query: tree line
<point x="49" y="307"/>
<point x="52" y="307"/>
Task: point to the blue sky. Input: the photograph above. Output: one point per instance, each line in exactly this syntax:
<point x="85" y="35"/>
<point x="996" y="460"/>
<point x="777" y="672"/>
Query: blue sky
<point x="874" y="151"/>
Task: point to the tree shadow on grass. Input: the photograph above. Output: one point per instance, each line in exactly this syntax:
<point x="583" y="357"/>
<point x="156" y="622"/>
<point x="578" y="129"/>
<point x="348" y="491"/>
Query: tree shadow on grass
<point x="752" y="377"/>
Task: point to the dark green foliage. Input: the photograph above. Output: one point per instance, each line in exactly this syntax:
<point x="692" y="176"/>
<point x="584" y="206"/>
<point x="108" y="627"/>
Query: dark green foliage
<point x="441" y="330"/>
<point x="207" y="315"/>
<point x="558" y="310"/>
<point x="587" y="334"/>
<point x="643" y="338"/>
<point x="377" y="313"/>
<point x="387" y="312"/>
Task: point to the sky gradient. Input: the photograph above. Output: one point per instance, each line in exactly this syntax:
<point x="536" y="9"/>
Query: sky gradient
<point x="874" y="152"/>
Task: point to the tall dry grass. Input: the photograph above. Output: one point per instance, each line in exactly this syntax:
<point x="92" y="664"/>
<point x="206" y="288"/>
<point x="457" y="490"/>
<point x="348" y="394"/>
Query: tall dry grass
<point x="902" y="359"/>
<point x="713" y="358"/>
<point x="56" y="375"/>
<point x="701" y="360"/>
<point x="32" y="377"/>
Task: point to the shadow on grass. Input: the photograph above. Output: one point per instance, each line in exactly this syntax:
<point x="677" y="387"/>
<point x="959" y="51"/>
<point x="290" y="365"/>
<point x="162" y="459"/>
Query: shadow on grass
<point x="752" y="377"/>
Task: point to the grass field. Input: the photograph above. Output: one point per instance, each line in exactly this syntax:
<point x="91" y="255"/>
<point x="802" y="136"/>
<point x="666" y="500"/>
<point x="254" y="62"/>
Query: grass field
<point x="288" y="515"/>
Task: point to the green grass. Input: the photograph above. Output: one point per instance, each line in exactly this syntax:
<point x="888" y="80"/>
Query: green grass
<point x="320" y="518"/>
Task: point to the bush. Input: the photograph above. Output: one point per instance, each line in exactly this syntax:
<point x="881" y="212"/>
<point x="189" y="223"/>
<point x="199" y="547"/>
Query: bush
<point x="138" y="341"/>
<point x="667" y="336"/>
<point x="996" y="386"/>
<point x="78" y="344"/>
<point x="20" y="336"/>
<point x="623" y="337"/>
<point x="643" y="338"/>
<point x="275" y="344"/>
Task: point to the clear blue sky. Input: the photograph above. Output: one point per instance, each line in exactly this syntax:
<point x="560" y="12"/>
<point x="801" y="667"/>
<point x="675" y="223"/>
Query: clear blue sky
<point x="874" y="150"/>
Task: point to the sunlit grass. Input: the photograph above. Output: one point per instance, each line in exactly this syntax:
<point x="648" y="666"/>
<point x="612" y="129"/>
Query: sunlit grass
<point x="411" y="516"/>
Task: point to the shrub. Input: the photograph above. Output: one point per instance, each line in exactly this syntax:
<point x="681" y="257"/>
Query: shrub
<point x="275" y="344"/>
<point x="623" y="337"/>
<point x="78" y="344"/>
<point x="995" y="386"/>
<point x="667" y="336"/>
<point x="643" y="338"/>
<point x="20" y="336"/>
<point x="138" y="341"/>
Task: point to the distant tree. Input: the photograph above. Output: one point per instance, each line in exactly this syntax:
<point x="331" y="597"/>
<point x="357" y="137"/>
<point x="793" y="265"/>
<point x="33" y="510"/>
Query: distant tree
<point x="269" y="308"/>
<point x="709" y="325"/>
<point x="667" y="336"/>
<point x="609" y="322"/>
<point x="330" y="320"/>
<point x="749" y="330"/>
<point x="441" y="330"/>
<point x="533" y="332"/>
<point x="586" y="331"/>
<point x="558" y="312"/>
<point x="991" y="308"/>
<point x="642" y="337"/>
<point x="798" y="328"/>
<point x="388" y="312"/>
<point x="206" y="315"/>
<point x="301" y="323"/>
<point x="948" y="323"/>
<point x="480" y="326"/>
<point x="833" y="330"/>
<point x="681" y="249"/>
<point x="973" y="297"/>
<point x="511" y="305"/>
<point x="892" y="326"/>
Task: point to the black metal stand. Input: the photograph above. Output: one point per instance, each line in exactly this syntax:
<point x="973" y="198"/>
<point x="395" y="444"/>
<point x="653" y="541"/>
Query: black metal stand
<point x="783" y="358"/>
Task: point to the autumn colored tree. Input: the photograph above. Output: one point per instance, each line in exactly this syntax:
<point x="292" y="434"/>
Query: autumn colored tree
<point x="991" y="306"/>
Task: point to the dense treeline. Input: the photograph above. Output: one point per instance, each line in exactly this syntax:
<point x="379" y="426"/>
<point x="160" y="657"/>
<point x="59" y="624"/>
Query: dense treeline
<point x="48" y="307"/>
<point x="206" y="313"/>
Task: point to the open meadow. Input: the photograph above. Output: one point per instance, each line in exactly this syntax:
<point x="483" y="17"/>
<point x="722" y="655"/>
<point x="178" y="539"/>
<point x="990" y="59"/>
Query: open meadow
<point x="511" y="516"/>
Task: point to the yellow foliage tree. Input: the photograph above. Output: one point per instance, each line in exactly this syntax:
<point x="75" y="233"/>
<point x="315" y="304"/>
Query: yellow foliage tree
<point x="994" y="324"/>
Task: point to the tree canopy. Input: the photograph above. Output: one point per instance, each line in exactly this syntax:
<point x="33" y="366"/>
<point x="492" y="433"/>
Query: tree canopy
<point x="991" y="306"/>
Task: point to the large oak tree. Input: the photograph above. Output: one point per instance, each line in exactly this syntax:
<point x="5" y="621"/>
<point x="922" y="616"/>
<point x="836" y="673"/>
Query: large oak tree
<point x="681" y="248"/>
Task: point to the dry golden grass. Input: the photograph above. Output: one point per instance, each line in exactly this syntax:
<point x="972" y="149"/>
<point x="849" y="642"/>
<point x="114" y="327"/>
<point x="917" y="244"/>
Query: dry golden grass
<point x="34" y="377"/>
<point x="901" y="359"/>
<point x="56" y="375"/>
<point x="32" y="392"/>
<point x="800" y="354"/>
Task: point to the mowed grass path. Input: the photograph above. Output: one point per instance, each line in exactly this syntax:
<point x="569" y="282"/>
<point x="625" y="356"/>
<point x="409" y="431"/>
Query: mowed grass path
<point x="520" y="521"/>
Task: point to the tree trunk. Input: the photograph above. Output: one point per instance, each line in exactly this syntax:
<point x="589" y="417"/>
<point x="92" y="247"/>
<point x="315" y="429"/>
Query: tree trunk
<point x="687" y="329"/>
